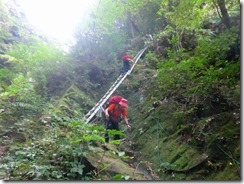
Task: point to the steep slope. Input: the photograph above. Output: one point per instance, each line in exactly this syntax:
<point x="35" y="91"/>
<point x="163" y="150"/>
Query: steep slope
<point x="181" y="144"/>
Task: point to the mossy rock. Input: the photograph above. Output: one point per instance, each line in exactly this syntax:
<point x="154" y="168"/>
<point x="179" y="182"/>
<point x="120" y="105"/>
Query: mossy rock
<point x="108" y="164"/>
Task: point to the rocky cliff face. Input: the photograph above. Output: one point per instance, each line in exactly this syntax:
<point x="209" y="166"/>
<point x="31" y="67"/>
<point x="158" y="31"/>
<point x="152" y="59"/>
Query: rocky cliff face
<point x="177" y="148"/>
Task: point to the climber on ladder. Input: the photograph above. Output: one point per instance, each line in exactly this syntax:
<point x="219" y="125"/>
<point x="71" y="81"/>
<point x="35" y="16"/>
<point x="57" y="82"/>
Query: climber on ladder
<point x="127" y="62"/>
<point x="113" y="113"/>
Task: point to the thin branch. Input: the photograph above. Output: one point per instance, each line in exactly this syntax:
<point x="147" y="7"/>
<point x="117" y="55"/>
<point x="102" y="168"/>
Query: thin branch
<point x="216" y="6"/>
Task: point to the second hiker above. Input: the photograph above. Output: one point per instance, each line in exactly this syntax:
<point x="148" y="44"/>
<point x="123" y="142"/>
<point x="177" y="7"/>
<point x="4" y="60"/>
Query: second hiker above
<point x="127" y="60"/>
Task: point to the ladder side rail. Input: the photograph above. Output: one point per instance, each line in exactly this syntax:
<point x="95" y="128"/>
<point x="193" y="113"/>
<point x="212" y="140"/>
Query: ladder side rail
<point x="136" y="58"/>
<point x="139" y="55"/>
<point x="103" y="97"/>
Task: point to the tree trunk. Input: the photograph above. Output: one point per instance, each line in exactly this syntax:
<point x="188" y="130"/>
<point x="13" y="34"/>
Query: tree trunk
<point x="225" y="15"/>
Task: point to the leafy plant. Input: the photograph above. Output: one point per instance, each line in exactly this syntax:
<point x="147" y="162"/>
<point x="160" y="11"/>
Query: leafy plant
<point x="53" y="156"/>
<point x="120" y="177"/>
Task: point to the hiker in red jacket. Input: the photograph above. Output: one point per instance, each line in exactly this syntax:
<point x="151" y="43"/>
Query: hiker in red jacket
<point x="113" y="113"/>
<point x="127" y="60"/>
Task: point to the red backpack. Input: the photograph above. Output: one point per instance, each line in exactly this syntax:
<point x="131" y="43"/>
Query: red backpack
<point x="114" y="100"/>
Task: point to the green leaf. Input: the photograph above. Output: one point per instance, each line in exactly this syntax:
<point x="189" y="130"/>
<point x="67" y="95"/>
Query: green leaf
<point x="118" y="177"/>
<point x="121" y="154"/>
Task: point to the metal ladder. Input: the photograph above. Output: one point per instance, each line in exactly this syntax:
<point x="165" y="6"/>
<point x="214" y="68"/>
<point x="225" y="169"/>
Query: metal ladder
<point x="116" y="84"/>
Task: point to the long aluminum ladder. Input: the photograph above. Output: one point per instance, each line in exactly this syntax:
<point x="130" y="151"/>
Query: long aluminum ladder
<point x="116" y="84"/>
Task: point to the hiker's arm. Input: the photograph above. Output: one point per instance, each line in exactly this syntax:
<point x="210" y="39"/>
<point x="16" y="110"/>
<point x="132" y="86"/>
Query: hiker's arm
<point x="126" y="122"/>
<point x="131" y="59"/>
<point x="106" y="113"/>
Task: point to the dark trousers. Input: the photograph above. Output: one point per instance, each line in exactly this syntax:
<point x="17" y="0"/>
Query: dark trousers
<point x="111" y="125"/>
<point x="126" y="66"/>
